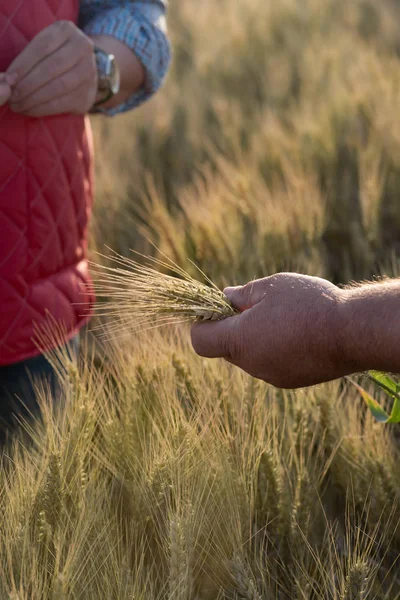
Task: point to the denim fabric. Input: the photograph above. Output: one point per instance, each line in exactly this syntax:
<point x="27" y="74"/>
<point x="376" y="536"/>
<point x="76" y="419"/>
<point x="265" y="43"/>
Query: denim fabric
<point x="17" y="382"/>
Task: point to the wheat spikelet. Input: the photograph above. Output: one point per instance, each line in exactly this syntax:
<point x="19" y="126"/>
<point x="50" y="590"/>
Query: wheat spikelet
<point x="59" y="591"/>
<point x="140" y="296"/>
<point x="185" y="384"/>
<point x="180" y="579"/>
<point x="244" y="581"/>
<point x="357" y="581"/>
<point x="301" y="507"/>
<point x="45" y="547"/>
<point x="53" y="491"/>
<point x="159" y="481"/>
<point x="42" y="527"/>
<point x="177" y="558"/>
<point x="303" y="431"/>
<point x="47" y="503"/>
<point x="268" y="489"/>
<point x="83" y="478"/>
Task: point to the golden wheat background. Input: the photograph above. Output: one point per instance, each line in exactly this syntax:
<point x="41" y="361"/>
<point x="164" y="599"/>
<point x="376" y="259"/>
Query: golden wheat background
<point x="274" y="145"/>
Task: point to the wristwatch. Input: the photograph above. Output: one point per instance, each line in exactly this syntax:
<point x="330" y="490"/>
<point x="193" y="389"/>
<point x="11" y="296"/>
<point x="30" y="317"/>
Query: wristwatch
<point x="108" y="77"/>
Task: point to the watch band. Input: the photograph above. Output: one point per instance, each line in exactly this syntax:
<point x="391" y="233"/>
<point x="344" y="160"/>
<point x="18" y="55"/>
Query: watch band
<point x="109" y="95"/>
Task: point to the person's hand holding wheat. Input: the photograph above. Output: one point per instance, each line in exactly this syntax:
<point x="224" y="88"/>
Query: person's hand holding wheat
<point x="287" y="332"/>
<point x="296" y="331"/>
<point x="288" y="329"/>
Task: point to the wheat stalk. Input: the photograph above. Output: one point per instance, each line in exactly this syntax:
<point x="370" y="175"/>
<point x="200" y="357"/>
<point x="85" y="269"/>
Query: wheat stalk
<point x="140" y="296"/>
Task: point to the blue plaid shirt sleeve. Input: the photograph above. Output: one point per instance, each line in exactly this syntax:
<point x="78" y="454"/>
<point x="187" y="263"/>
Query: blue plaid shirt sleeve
<point x="141" y="25"/>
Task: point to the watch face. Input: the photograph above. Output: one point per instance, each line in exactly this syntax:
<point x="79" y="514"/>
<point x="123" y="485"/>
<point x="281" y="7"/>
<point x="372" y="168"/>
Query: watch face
<point x="109" y="77"/>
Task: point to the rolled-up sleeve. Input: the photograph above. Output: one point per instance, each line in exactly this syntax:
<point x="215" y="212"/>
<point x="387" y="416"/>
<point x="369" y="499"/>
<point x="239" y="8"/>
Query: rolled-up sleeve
<point x="142" y="27"/>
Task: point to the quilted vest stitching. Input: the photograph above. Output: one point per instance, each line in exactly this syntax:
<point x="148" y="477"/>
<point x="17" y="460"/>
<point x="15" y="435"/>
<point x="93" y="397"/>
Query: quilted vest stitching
<point x="45" y="201"/>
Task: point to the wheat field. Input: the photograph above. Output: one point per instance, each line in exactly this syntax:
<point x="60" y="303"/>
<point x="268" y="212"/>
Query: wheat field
<point x="274" y="145"/>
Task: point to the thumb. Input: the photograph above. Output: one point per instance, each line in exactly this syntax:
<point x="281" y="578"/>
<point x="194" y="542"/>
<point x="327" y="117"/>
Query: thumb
<point x="213" y="339"/>
<point x="246" y="296"/>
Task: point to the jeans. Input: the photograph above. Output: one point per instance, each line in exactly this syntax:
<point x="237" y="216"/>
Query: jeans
<point x="18" y="381"/>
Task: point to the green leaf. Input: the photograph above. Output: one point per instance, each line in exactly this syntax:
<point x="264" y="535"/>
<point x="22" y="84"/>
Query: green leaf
<point x="386" y="383"/>
<point x="378" y="412"/>
<point x="392" y="388"/>
<point x="395" y="414"/>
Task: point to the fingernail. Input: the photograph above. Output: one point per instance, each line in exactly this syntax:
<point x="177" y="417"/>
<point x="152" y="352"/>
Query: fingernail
<point x="230" y="290"/>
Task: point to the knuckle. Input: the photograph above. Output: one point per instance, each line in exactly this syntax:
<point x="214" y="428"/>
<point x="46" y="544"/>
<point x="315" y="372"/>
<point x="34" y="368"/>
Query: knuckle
<point x="82" y="45"/>
<point x="49" y="36"/>
<point x="87" y="69"/>
<point x="91" y="69"/>
<point x="248" y="292"/>
<point x="45" y="46"/>
<point x="261" y="288"/>
<point x="87" y="43"/>
<point x="65" y="27"/>
<point x="252" y="292"/>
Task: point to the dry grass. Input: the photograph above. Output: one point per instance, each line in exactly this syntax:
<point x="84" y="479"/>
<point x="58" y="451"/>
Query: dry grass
<point x="275" y="145"/>
<point x="168" y="476"/>
<point x="140" y="296"/>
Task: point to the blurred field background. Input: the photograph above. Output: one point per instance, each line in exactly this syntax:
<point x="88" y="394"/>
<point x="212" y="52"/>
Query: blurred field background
<point x="275" y="145"/>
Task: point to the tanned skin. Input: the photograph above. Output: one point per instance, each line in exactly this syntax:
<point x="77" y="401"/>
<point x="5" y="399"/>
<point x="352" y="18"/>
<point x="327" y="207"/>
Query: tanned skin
<point x="297" y="331"/>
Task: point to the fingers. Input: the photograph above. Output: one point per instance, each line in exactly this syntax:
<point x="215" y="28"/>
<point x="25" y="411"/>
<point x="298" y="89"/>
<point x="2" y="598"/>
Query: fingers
<point x="246" y="296"/>
<point x="45" y="43"/>
<point x="78" y="101"/>
<point x="51" y="68"/>
<point x="65" y="85"/>
<point x="215" y="339"/>
<point x="10" y="79"/>
<point x="56" y="73"/>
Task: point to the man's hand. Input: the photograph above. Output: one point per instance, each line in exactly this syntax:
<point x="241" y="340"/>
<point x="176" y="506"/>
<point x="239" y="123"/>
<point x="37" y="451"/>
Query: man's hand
<point x="56" y="73"/>
<point x="287" y="334"/>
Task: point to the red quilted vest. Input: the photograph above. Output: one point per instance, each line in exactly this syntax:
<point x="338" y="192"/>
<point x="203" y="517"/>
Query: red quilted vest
<point x="45" y="201"/>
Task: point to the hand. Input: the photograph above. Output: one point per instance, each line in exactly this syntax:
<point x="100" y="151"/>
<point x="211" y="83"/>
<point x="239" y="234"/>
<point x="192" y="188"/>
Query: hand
<point x="286" y="335"/>
<point x="6" y="83"/>
<point x="56" y="73"/>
